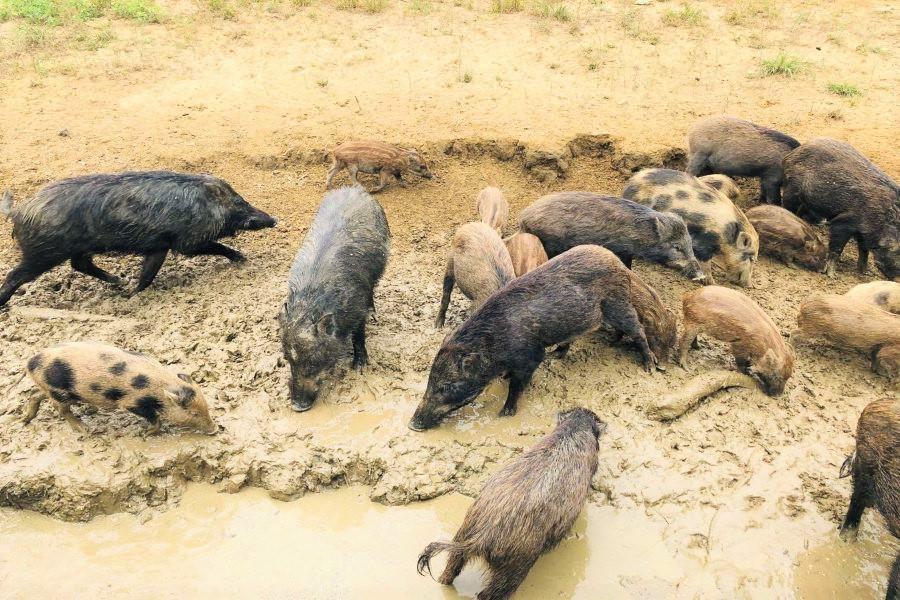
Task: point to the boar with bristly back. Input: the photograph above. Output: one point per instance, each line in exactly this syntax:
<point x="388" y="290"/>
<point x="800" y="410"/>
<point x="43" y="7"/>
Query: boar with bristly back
<point x="827" y="179"/>
<point x="492" y="208"/>
<point x="660" y="324"/>
<point x="719" y="230"/>
<point x="478" y="263"/>
<point x="739" y="148"/>
<point x="376" y="158"/>
<point x="627" y="229"/>
<point x="110" y="378"/>
<point x="526" y="508"/>
<point x="526" y="251"/>
<point x="785" y="236"/>
<point x="733" y="317"/>
<point x="883" y="294"/>
<point x="146" y="213"/>
<point x="875" y="466"/>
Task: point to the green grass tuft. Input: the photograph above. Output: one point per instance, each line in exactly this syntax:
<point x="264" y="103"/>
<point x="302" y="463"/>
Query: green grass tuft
<point x="783" y="65"/>
<point x="552" y="10"/>
<point x="848" y="90"/>
<point x="688" y="16"/>
<point x="507" y="6"/>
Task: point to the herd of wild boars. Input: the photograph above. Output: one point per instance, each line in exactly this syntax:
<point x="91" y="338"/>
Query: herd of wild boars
<point x="562" y="273"/>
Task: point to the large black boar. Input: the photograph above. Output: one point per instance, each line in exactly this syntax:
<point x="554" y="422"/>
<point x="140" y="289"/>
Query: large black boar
<point x="827" y="179"/>
<point x="739" y="148"/>
<point x="526" y="508"/>
<point x="147" y="213"/>
<point x="628" y="229"/>
<point x="330" y="289"/>
<point x="568" y="296"/>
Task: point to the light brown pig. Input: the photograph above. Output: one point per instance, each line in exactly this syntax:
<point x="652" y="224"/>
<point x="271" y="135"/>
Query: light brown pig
<point x="883" y="294"/>
<point x="492" y="208"/>
<point x="786" y="236"/>
<point x="376" y="158"/>
<point x="526" y="251"/>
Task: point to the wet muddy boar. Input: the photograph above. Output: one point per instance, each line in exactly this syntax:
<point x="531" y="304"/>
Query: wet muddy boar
<point x="827" y="179"/>
<point x="787" y="237"/>
<point x="526" y="508"/>
<point x="376" y="158"/>
<point x="479" y="264"/>
<point x="847" y="323"/>
<point x="739" y="148"/>
<point x="628" y="229"/>
<point x="733" y="317"/>
<point x="719" y="230"/>
<point x="148" y="213"/>
<point x="492" y="208"/>
<point x="566" y="297"/>
<point x="330" y="290"/>
<point x="875" y="466"/>
<point x="883" y="294"/>
<point x="660" y="324"/>
<point x="110" y="378"/>
<point x="526" y="251"/>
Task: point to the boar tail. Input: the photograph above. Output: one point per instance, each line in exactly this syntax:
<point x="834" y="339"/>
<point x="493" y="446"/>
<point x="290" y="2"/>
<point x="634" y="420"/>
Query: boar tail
<point x="6" y="204"/>
<point x="424" y="562"/>
<point x="847" y="467"/>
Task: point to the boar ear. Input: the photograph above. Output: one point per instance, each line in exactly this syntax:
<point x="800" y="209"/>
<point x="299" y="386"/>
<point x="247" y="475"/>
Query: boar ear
<point x="184" y="377"/>
<point x="743" y="240"/>
<point x="325" y="325"/>
<point x="181" y="396"/>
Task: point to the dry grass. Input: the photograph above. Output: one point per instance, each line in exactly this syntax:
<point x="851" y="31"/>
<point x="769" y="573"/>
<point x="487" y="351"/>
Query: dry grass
<point x="688" y="16"/>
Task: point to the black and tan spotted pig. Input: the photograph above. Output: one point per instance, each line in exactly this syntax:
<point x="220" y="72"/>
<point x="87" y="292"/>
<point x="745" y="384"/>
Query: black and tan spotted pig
<point x="108" y="378"/>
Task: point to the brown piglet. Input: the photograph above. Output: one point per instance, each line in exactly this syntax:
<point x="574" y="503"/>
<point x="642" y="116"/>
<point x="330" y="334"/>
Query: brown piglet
<point x="376" y="158"/>
<point x="526" y="251"/>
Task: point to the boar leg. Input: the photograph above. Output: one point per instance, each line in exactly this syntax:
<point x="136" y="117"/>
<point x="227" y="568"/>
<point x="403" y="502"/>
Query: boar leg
<point x="21" y="274"/>
<point x="31" y="409"/>
<point x="620" y="315"/>
<point x="840" y="230"/>
<point x="217" y="249"/>
<point x="449" y="280"/>
<point x="383" y="178"/>
<point x="83" y="263"/>
<point x="561" y="350"/>
<point x="399" y="177"/>
<point x="770" y="189"/>
<point x="860" y="500"/>
<point x="691" y="331"/>
<point x="505" y="578"/>
<point x="893" y="591"/>
<point x="152" y="264"/>
<point x="697" y="164"/>
<point x="353" y="170"/>
<point x="66" y="412"/>
<point x="862" y="264"/>
<point x="360" y="356"/>
<point x="519" y="378"/>
<point x="455" y="563"/>
<point x="336" y="167"/>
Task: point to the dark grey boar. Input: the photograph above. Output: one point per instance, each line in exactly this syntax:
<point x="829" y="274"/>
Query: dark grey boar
<point x="330" y="290"/>
<point x="628" y="229"/>
<point x="526" y="508"/>
<point x="739" y="148"/>
<point x="875" y="467"/>
<point x="148" y="213"/>
<point x="479" y="264"/>
<point x="568" y="296"/>
<point x="719" y="230"/>
<point x="827" y="179"/>
<point x="786" y="236"/>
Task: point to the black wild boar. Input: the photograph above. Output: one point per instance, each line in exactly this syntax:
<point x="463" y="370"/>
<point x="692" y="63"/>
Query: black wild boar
<point x="739" y="148"/>
<point x="786" y="236"/>
<point x="827" y="179"/>
<point x="479" y="264"/>
<point x="568" y="296"/>
<point x="526" y="508"/>
<point x="875" y="466"/>
<point x="628" y="229"/>
<point x="147" y="213"/>
<point x="108" y="377"/>
<point x="330" y="289"/>
<point x="719" y="230"/>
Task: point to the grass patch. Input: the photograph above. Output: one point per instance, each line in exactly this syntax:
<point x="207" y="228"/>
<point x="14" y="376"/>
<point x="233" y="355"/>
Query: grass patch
<point x="466" y="77"/>
<point x="632" y="24"/>
<point x="301" y="3"/>
<point x="93" y="40"/>
<point x="552" y="10"/>
<point x="143" y="11"/>
<point x="783" y="65"/>
<point x="688" y="16"/>
<point x="865" y="48"/>
<point x="420" y="7"/>
<point x="222" y="9"/>
<point x="507" y="6"/>
<point x="369" y="6"/>
<point x="752" y="11"/>
<point x="847" y="90"/>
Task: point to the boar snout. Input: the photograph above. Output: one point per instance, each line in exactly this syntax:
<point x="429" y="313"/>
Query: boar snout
<point x="303" y="394"/>
<point x="258" y="220"/>
<point x="694" y="271"/>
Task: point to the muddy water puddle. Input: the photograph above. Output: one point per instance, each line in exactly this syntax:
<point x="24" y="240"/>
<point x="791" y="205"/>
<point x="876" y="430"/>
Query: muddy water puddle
<point x="338" y="544"/>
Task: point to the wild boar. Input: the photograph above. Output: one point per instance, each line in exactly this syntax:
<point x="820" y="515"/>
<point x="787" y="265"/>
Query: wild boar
<point x="887" y="362"/>
<point x="723" y="184"/>
<point x="330" y="290"/>
<point x="376" y="158"/>
<point x="827" y="179"/>
<point x="660" y="324"/>
<point x="526" y="251"/>
<point x="875" y="466"/>
<point x="108" y="378"/>
<point x="568" y="296"/>
<point x="786" y="236"/>
<point x="739" y="148"/>
<point x="628" y="229"/>
<point x="148" y="213"/>
<point x="479" y="264"/>
<point x="526" y="508"/>
<point x="883" y="294"/>
<point x="492" y="208"/>
<point x="719" y="230"/>
<point x="733" y="317"/>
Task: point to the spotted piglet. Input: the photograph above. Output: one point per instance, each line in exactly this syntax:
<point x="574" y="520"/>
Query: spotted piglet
<point x="108" y="378"/>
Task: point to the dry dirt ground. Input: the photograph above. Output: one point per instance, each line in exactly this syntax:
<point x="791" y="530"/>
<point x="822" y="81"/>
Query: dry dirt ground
<point x="495" y="99"/>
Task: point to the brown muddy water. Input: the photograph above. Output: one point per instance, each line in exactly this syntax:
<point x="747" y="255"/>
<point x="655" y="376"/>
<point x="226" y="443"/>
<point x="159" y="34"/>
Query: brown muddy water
<point x="338" y="544"/>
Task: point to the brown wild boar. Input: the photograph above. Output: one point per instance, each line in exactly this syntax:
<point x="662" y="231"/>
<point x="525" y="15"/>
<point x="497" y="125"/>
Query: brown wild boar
<point x="739" y="148"/>
<point x="108" y="377"/>
<point x="526" y="508"/>
<point x="478" y="263"/>
<point x="786" y="236"/>
<point x="887" y="362"/>
<point x="526" y="251"/>
<point x="376" y="158"/>
<point x="723" y="184"/>
<point x="883" y="294"/>
<point x="875" y="466"/>
<point x="732" y="316"/>
<point x="492" y="208"/>
<point x="660" y="324"/>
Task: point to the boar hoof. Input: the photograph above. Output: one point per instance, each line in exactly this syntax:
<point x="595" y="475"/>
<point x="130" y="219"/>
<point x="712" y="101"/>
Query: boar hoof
<point x="301" y="407"/>
<point x="848" y="534"/>
<point x="238" y="257"/>
<point x="507" y="411"/>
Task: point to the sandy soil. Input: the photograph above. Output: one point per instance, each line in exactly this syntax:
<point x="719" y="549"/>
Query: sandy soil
<point x="745" y="481"/>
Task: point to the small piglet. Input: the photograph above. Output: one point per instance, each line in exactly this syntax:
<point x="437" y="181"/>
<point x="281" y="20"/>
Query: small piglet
<point x="108" y="378"/>
<point x="883" y="294"/>
<point x="731" y="316"/>
<point x="786" y="236"/>
<point x="660" y="324"/>
<point x="526" y="251"/>
<point x="492" y="208"/>
<point x="376" y="158"/>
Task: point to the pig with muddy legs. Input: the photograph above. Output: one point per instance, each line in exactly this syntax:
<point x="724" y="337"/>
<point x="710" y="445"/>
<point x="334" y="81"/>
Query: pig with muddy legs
<point x="526" y="251"/>
<point x="330" y="290"/>
<point x="569" y="296"/>
<point x="148" y="213"/>
<point x="875" y="467"/>
<point x="526" y="508"/>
